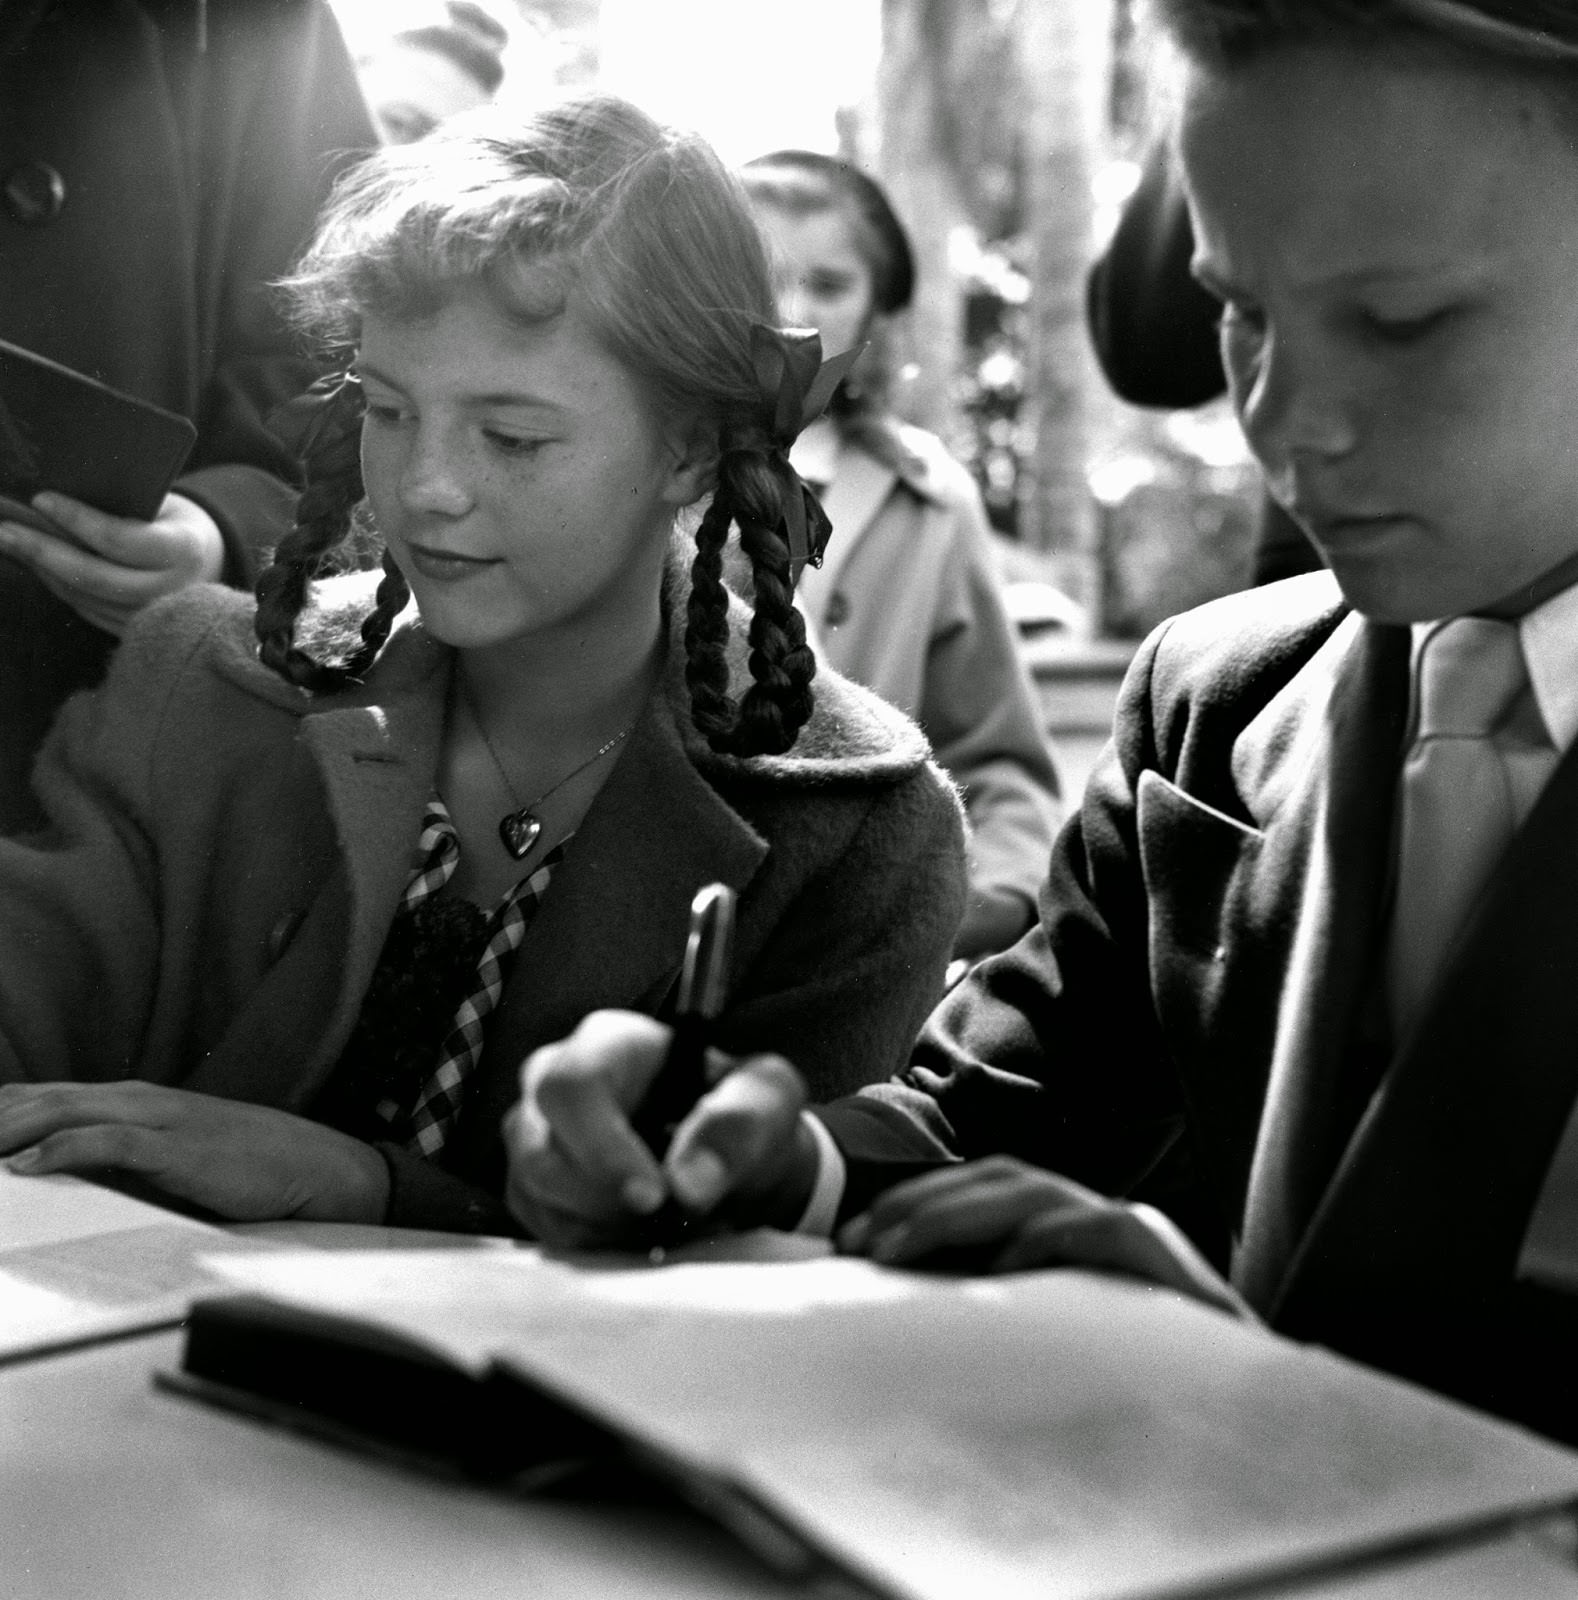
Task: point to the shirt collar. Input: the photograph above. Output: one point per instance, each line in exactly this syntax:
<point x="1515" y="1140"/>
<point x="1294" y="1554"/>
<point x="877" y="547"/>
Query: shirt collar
<point x="1549" y="635"/>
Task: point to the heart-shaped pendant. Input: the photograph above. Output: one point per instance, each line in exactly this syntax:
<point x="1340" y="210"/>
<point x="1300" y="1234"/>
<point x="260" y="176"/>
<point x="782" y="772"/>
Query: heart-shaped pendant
<point x="518" y="830"/>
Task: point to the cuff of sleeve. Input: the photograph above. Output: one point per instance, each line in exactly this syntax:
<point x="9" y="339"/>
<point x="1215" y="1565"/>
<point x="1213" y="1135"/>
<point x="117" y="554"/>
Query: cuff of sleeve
<point x="253" y="510"/>
<point x="424" y="1196"/>
<point x="827" y="1192"/>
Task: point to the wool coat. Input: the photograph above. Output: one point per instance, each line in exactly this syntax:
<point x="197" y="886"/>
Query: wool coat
<point x="162" y="162"/>
<point x="908" y="602"/>
<point x="1197" y="1019"/>
<point x="225" y="855"/>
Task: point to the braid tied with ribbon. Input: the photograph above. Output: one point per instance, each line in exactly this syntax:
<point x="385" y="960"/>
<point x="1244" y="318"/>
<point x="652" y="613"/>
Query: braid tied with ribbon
<point x="782" y="529"/>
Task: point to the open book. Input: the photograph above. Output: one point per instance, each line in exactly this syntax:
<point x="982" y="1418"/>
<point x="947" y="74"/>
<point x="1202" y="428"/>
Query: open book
<point x="80" y="1262"/>
<point x="1048" y="1433"/>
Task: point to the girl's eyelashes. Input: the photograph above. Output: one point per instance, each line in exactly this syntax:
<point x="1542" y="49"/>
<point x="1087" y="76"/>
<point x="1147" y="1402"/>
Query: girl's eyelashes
<point x="512" y="444"/>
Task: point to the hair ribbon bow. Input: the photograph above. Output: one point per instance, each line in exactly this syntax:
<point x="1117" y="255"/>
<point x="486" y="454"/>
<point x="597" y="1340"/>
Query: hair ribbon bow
<point x="795" y="385"/>
<point x="299" y="423"/>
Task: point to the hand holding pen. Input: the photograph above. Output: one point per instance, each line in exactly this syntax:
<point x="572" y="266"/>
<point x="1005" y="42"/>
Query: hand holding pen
<point x="590" y="1157"/>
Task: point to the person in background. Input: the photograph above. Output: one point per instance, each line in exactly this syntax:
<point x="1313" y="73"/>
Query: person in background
<point x="323" y="869"/>
<point x="1154" y="331"/>
<point x="160" y="163"/>
<point x="1304" y="972"/>
<point x="908" y="599"/>
<point x="422" y="75"/>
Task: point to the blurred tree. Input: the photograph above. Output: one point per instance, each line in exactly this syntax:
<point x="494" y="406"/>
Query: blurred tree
<point x="991" y="120"/>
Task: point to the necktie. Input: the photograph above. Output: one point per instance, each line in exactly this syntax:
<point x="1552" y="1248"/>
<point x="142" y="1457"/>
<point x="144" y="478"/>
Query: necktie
<point x="1461" y="797"/>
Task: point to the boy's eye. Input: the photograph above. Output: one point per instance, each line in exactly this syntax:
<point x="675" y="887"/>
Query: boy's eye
<point x="1404" y="330"/>
<point x="383" y="411"/>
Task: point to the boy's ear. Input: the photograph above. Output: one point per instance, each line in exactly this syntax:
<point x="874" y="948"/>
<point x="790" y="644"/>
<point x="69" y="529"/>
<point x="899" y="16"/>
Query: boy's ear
<point x="693" y="461"/>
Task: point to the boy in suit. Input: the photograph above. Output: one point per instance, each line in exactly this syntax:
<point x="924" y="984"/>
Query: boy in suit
<point x="1304" y="977"/>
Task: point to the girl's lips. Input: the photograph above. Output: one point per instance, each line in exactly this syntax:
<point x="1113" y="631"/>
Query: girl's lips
<point x="442" y="566"/>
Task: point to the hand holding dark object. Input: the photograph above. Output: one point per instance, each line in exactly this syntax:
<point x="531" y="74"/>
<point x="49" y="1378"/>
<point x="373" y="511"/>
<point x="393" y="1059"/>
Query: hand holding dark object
<point x="108" y="568"/>
<point x="580" y="1175"/>
<point x="246" y="1163"/>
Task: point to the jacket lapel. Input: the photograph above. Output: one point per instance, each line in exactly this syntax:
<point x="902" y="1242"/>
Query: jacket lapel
<point x="1438" y="1184"/>
<point x="1316" y="771"/>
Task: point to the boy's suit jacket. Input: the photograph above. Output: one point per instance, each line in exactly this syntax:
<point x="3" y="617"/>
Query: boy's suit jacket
<point x="1198" y="1018"/>
<point x="226" y="853"/>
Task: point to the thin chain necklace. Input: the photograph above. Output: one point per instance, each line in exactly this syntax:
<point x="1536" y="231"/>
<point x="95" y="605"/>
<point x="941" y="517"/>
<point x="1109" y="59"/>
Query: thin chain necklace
<point x="520" y="827"/>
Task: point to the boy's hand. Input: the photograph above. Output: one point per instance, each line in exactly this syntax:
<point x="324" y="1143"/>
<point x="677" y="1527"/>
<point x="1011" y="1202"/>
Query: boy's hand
<point x="111" y="567"/>
<point x="1002" y="1215"/>
<point x="244" y="1162"/>
<point x="580" y="1175"/>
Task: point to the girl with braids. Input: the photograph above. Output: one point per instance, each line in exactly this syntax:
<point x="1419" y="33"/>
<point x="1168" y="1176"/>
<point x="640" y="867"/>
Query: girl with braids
<point x="1304" y="978"/>
<point x="320" y="873"/>
<point x="908" y="601"/>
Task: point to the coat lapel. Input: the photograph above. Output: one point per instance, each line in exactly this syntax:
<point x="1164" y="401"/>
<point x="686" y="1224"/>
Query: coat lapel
<point x="852" y="500"/>
<point x="374" y="753"/>
<point x="1315" y="769"/>
<point x="1438" y="1185"/>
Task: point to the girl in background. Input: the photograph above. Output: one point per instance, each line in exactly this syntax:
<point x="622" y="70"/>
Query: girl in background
<point x="321" y="871"/>
<point x="908" y="601"/>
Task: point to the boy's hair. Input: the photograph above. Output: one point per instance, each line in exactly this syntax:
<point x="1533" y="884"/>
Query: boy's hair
<point x="802" y="183"/>
<point x="1228" y="33"/>
<point x="652" y="235"/>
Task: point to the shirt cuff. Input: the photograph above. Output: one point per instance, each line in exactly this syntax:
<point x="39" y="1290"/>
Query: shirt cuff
<point x="821" y="1209"/>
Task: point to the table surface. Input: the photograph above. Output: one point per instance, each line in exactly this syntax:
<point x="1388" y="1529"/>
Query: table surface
<point x="111" y="1488"/>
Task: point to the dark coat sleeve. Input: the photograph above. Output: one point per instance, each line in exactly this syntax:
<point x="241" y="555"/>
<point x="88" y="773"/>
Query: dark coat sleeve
<point x="278" y="115"/>
<point x="1152" y="325"/>
<point x="1051" y="1051"/>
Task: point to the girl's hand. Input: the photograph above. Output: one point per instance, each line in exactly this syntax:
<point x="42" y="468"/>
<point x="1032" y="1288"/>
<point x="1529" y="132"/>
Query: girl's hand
<point x="580" y="1175"/>
<point x="111" y="567"/>
<point x="244" y="1162"/>
<point x="1003" y="1215"/>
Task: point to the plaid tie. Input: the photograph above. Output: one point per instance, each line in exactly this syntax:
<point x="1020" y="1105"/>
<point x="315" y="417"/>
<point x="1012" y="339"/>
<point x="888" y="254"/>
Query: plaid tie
<point x="438" y="1103"/>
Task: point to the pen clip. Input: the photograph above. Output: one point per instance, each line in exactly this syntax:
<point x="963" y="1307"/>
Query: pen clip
<point x="704" y="978"/>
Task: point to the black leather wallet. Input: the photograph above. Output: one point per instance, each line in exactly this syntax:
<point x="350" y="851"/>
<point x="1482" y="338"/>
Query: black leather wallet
<point x="62" y="430"/>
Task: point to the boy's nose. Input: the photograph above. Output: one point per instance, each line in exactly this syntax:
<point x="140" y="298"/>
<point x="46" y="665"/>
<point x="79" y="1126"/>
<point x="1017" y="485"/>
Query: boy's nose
<point x="1297" y="408"/>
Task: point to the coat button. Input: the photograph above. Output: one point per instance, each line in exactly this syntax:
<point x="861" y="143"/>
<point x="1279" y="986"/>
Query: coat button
<point x="837" y="612"/>
<point x="34" y="193"/>
<point x="283" y="931"/>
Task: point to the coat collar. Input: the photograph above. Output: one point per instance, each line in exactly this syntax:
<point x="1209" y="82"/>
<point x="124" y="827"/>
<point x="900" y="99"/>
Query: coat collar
<point x="853" y="486"/>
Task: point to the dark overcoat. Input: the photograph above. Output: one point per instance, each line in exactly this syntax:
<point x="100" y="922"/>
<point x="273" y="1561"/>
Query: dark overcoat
<point x="162" y="162"/>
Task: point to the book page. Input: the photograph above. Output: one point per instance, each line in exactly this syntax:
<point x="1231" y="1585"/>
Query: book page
<point x="80" y="1262"/>
<point x="1044" y="1433"/>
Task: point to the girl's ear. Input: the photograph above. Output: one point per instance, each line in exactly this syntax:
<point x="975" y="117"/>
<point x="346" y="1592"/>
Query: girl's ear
<point x="693" y="461"/>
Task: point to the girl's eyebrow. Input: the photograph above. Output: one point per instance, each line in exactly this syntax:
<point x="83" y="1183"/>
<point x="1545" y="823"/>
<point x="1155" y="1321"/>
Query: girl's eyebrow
<point x="501" y="397"/>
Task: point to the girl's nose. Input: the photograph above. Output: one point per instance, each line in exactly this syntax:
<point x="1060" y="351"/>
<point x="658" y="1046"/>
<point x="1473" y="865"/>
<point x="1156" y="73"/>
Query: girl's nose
<point x="432" y="479"/>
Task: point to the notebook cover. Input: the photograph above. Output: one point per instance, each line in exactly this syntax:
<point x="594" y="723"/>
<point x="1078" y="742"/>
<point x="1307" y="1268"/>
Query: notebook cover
<point x="62" y="430"/>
